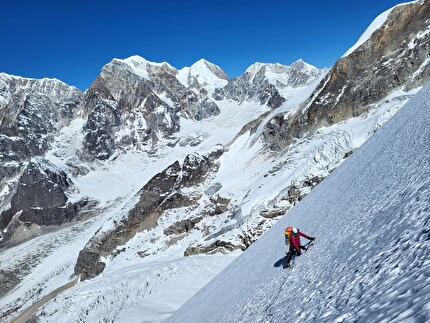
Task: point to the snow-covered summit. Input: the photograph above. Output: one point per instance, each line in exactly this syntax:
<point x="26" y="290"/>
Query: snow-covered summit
<point x="301" y="65"/>
<point x="137" y="60"/>
<point x="142" y="67"/>
<point x="203" y="73"/>
<point x="271" y="69"/>
<point x="269" y="83"/>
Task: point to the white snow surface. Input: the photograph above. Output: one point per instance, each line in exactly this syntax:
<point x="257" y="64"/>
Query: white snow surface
<point x="370" y="261"/>
<point x="375" y="25"/>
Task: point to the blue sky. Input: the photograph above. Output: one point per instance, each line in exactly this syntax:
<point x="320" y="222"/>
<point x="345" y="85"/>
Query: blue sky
<point x="72" y="40"/>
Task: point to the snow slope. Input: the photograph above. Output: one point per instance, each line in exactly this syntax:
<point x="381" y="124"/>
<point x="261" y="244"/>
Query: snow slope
<point x="371" y="259"/>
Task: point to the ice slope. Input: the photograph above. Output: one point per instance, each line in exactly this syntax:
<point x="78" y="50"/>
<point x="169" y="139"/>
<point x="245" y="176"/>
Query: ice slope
<point x="371" y="259"/>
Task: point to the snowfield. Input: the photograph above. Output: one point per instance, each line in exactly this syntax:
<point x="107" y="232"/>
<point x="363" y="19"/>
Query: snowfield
<point x="371" y="259"/>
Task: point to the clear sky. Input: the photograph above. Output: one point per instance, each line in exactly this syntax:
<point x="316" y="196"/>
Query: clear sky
<point x="72" y="40"/>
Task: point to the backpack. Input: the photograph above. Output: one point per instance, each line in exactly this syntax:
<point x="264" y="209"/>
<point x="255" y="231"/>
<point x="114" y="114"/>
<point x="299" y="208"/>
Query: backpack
<point x="288" y="233"/>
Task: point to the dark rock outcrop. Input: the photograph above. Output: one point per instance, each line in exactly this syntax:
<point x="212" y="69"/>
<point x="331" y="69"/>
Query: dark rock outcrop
<point x="394" y="57"/>
<point x="217" y="246"/>
<point x="9" y="280"/>
<point x="182" y="226"/>
<point x="39" y="198"/>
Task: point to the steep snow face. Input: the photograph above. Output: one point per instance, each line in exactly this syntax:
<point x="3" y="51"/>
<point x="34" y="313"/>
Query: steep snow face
<point x="370" y="259"/>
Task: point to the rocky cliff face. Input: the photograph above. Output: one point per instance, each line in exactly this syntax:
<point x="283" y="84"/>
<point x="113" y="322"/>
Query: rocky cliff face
<point x="165" y="191"/>
<point x="268" y="83"/>
<point x="134" y="103"/>
<point x="396" y="56"/>
<point x="31" y="113"/>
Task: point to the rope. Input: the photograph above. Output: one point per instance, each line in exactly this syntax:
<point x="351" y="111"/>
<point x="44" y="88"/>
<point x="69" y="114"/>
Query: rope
<point x="267" y="310"/>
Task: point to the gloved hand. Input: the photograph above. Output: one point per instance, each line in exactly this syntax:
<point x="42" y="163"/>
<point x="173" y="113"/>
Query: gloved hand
<point x="311" y="238"/>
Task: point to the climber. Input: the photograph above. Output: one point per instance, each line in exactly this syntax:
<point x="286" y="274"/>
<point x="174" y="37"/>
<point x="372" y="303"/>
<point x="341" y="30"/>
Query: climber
<point x="292" y="238"/>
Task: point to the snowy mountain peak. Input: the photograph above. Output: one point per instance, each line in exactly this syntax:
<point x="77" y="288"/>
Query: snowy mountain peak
<point x="48" y="86"/>
<point x="277" y="68"/>
<point x="138" y="61"/>
<point x="254" y="68"/>
<point x="142" y="67"/>
<point x="301" y="65"/>
<point x="269" y="83"/>
<point x="203" y="74"/>
<point x="203" y="65"/>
